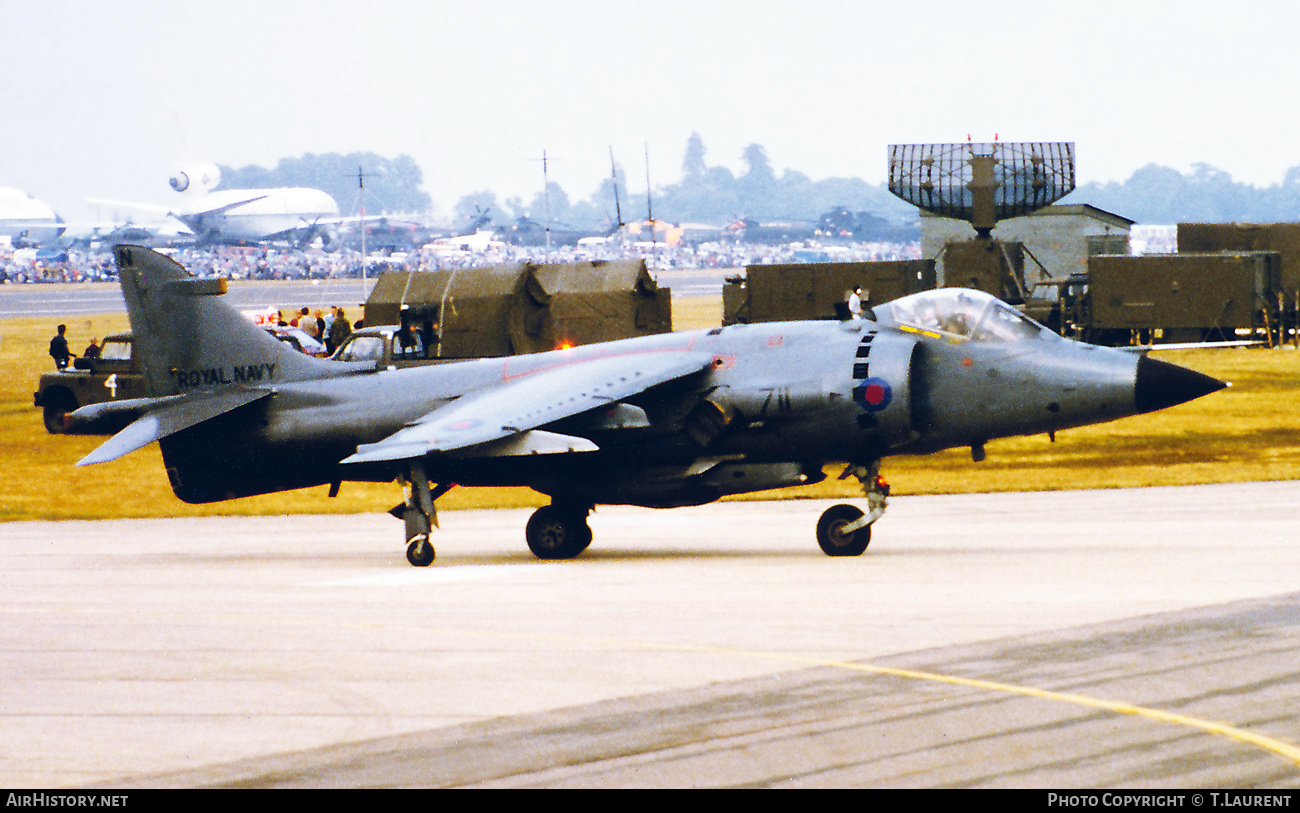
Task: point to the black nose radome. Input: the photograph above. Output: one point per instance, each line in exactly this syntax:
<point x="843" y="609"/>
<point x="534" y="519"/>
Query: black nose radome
<point x="1161" y="384"/>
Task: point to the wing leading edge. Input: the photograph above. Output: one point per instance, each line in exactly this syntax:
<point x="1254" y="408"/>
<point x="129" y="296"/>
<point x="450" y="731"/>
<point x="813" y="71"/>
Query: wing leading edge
<point x="517" y="406"/>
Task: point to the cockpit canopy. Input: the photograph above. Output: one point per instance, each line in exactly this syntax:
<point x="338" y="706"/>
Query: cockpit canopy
<point x="962" y="313"/>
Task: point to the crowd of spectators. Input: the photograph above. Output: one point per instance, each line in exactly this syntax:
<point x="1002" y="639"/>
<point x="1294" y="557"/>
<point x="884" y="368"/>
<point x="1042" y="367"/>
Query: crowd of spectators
<point x="68" y="266"/>
<point x="260" y="263"/>
<point x="661" y="256"/>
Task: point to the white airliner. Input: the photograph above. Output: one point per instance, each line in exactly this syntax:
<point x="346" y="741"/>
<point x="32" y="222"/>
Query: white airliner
<point x="25" y="218"/>
<point x="245" y="215"/>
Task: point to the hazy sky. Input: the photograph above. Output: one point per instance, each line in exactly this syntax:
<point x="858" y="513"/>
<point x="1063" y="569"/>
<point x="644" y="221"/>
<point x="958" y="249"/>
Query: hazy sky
<point x="106" y="99"/>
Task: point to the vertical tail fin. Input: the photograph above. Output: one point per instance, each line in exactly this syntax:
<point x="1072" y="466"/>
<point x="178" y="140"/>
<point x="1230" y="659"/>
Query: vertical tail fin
<point x="188" y="339"/>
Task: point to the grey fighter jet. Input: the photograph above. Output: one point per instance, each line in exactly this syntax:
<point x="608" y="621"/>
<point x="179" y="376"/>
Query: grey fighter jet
<point x="667" y="420"/>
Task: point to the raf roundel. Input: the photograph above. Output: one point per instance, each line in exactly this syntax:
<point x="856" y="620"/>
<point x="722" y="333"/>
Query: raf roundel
<point x="873" y="395"/>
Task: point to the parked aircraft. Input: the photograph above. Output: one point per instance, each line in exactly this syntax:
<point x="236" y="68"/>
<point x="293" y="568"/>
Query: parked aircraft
<point x="477" y="242"/>
<point x="474" y="236"/>
<point x="26" y="220"/>
<point x="245" y="215"/>
<point x="162" y="232"/>
<point x="661" y="421"/>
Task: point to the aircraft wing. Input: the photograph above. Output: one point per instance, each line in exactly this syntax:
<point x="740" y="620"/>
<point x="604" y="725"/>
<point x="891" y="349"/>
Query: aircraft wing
<point x="410" y="219"/>
<point x="168" y="419"/>
<point x="144" y="207"/>
<point x="149" y="207"/>
<point x="516" y="407"/>
<point x="219" y="210"/>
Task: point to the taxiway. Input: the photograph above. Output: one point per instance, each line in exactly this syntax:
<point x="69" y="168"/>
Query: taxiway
<point x="1141" y="637"/>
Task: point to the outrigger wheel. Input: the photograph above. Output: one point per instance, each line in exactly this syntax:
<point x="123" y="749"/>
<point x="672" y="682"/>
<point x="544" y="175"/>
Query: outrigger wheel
<point x="418" y="512"/>
<point x="558" y="532"/>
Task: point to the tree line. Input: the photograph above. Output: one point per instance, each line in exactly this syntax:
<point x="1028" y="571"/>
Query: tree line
<point x="391" y="184"/>
<point x="1158" y="195"/>
<point x="707" y="194"/>
<point x="715" y="195"/>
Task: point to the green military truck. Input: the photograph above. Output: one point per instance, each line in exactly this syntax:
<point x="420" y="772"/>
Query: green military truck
<point x="390" y="347"/>
<point x="114" y="376"/>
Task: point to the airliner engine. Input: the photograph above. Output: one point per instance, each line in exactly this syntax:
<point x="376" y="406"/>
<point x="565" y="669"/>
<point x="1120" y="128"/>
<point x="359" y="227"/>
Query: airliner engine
<point x="199" y="178"/>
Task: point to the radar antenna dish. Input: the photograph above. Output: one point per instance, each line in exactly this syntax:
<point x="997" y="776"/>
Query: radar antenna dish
<point x="982" y="183"/>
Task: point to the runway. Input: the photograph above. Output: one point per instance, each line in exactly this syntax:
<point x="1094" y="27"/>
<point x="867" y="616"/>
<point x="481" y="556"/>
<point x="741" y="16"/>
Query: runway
<point x="66" y="301"/>
<point x="1126" y="638"/>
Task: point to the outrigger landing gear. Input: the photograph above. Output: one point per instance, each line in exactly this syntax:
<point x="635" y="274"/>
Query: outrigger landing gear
<point x="418" y="513"/>
<point x="558" y="531"/>
<point x="844" y="530"/>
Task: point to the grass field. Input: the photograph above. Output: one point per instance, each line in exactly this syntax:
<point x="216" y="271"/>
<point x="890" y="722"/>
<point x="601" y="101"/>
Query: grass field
<point x="1249" y="432"/>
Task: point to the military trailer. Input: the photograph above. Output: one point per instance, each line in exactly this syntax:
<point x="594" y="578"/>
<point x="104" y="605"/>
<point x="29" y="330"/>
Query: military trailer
<point x="778" y="293"/>
<point x="517" y="308"/>
<point x="114" y="376"/>
<point x="1173" y="297"/>
<point x="1284" y="238"/>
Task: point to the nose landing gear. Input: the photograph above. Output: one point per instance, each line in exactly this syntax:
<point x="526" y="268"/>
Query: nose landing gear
<point x="844" y="530"/>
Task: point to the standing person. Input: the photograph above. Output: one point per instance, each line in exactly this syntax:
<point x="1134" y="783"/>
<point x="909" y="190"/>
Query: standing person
<point x="59" y="348"/>
<point x="855" y="303"/>
<point x="307" y="324"/>
<point x="338" y="333"/>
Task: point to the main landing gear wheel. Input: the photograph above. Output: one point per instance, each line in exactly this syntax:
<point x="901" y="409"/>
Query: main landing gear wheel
<point x="420" y="553"/>
<point x="834" y="539"/>
<point x="557" y="533"/>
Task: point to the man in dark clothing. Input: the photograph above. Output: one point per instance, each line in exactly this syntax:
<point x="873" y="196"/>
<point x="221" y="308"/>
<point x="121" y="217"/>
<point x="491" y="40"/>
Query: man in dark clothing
<point x="339" y="331"/>
<point x="59" y="348"/>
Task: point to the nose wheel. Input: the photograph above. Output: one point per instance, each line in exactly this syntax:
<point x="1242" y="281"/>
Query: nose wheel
<point x="844" y="530"/>
<point x="841" y="533"/>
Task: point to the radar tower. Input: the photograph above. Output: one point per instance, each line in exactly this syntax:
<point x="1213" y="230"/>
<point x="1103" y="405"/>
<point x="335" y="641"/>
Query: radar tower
<point x="982" y="183"/>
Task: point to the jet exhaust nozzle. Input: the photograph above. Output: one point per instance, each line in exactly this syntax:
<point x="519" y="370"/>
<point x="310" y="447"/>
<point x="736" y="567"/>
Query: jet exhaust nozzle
<point x="1160" y="385"/>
